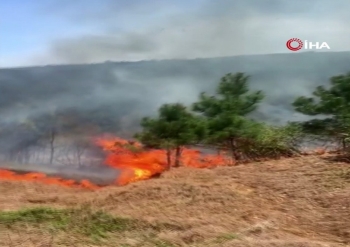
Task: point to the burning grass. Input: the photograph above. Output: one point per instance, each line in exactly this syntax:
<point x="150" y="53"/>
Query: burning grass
<point x="138" y="164"/>
<point x="133" y="161"/>
<point x="43" y="178"/>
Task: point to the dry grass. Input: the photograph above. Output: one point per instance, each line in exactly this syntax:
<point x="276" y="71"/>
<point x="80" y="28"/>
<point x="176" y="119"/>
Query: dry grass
<point x="292" y="202"/>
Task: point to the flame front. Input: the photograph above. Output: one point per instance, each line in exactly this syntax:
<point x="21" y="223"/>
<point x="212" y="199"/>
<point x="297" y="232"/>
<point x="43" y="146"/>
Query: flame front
<point x="137" y="164"/>
<point x="133" y="162"/>
<point x="41" y="177"/>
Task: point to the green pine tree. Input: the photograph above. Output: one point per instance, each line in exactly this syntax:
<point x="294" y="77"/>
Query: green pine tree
<point x="333" y="104"/>
<point x="226" y="112"/>
<point x="172" y="129"/>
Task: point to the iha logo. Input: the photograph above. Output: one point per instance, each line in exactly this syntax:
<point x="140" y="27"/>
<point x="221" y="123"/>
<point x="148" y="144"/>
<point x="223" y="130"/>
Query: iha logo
<point x="296" y="44"/>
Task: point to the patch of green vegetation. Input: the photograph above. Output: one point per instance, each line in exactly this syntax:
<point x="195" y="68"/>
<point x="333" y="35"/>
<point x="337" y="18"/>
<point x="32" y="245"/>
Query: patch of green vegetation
<point x="337" y="180"/>
<point x="226" y="237"/>
<point x="345" y="175"/>
<point x="94" y="224"/>
<point x="162" y="243"/>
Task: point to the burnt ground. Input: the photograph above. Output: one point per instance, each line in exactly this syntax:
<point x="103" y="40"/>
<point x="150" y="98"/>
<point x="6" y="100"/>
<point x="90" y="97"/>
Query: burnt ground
<point x="293" y="202"/>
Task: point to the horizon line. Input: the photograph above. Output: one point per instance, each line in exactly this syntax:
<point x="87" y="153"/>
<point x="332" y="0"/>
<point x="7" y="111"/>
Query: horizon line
<point x="167" y="59"/>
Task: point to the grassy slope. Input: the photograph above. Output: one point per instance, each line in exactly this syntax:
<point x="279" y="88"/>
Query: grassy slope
<point x="292" y="202"/>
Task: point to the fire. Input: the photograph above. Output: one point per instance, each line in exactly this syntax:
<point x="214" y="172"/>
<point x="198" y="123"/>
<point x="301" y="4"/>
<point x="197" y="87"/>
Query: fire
<point x="42" y="178"/>
<point x="138" y="164"/>
<point x="133" y="162"/>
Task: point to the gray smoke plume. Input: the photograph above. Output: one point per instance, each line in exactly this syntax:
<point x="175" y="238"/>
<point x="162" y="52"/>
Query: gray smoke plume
<point x="155" y="29"/>
<point x="133" y="30"/>
<point x="201" y="40"/>
<point x="131" y="90"/>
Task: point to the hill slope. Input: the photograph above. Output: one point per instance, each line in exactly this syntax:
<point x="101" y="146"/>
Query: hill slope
<point x="130" y="90"/>
<point x="291" y="202"/>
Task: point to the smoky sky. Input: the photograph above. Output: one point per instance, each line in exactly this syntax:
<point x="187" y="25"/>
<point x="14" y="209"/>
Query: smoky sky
<point x="201" y="41"/>
<point x="154" y="29"/>
<point x="128" y="91"/>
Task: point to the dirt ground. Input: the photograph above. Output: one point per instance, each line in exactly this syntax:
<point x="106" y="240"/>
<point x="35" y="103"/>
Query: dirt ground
<point x="293" y="202"/>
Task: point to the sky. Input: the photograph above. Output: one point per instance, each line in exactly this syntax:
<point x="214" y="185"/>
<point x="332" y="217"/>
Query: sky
<point x="40" y="32"/>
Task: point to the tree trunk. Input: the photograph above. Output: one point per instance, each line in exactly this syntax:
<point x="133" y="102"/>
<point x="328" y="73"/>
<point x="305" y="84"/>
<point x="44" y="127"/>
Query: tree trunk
<point x="80" y="149"/>
<point x="168" y="156"/>
<point x="177" y="156"/>
<point x="234" y="152"/>
<point x="52" y="148"/>
<point x="343" y="143"/>
<point x="26" y="155"/>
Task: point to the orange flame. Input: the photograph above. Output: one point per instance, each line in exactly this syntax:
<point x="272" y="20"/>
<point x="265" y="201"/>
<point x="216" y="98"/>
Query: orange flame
<point x="131" y="159"/>
<point x="41" y="177"/>
<point x="138" y="164"/>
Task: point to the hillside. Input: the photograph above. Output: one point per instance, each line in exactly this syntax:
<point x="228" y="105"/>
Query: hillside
<point x="292" y="202"/>
<point x="127" y="91"/>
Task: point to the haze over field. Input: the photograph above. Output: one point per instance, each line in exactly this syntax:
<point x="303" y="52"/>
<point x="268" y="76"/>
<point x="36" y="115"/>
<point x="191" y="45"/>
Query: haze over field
<point x="61" y="65"/>
<point x="133" y="30"/>
<point x="128" y="91"/>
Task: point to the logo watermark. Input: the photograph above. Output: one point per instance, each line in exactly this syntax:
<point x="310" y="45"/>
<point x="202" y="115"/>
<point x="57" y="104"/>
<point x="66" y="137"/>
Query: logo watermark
<point x="296" y="44"/>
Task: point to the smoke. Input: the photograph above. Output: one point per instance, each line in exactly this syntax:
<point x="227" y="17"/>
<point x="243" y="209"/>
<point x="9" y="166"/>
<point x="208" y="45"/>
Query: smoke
<point x="223" y="33"/>
<point x="134" y="90"/>
<point x="144" y="30"/>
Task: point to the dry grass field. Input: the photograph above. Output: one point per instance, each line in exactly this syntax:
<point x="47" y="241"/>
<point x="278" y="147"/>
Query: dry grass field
<point x="293" y="202"/>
